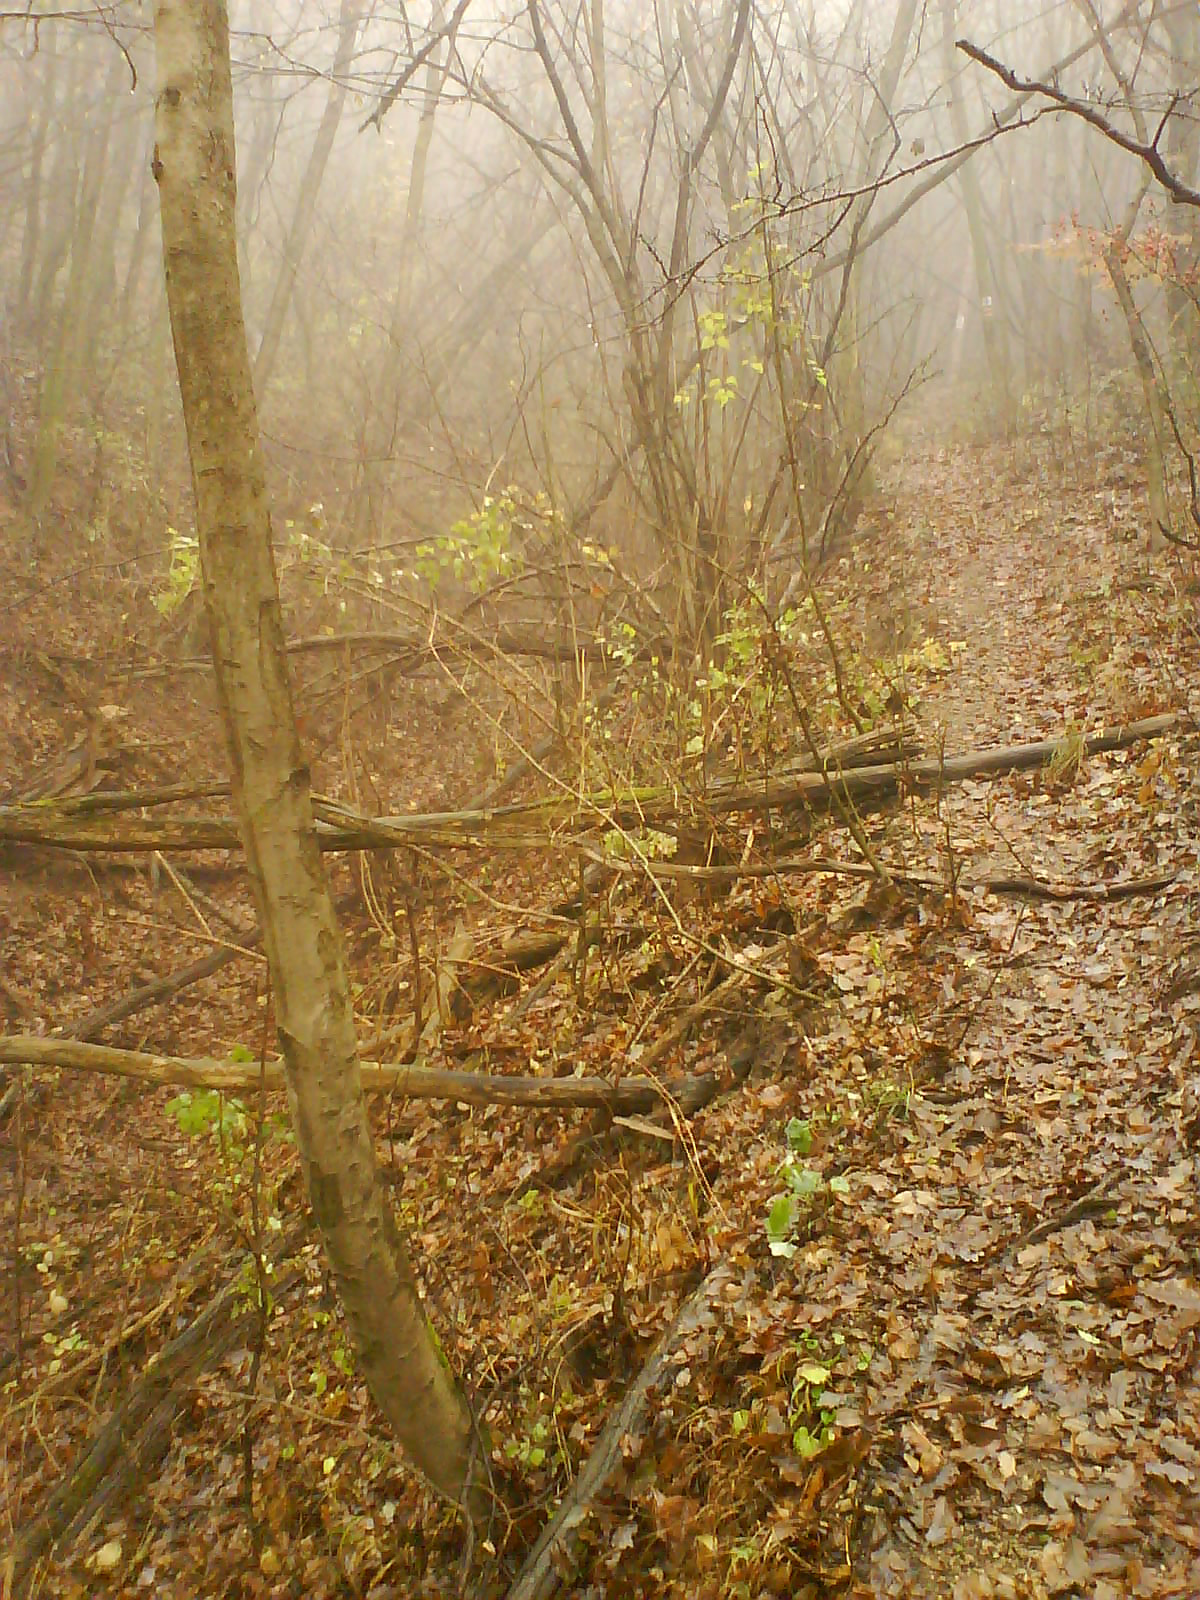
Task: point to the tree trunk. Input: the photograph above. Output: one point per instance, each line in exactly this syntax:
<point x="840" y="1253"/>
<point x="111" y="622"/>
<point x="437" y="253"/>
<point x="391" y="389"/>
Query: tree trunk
<point x="1157" y="407"/>
<point x="35" y="197"/>
<point x="306" y="201"/>
<point x="62" y="370"/>
<point x="995" y="338"/>
<point x="194" y="166"/>
<point x="392" y="392"/>
<point x="1183" y="150"/>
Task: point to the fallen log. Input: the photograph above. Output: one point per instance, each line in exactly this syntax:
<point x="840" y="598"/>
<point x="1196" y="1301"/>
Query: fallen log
<point x="510" y="639"/>
<point x="166" y="794"/>
<point x="159" y="989"/>
<point x="1039" y="889"/>
<point x="416" y="1081"/>
<point x="533" y="824"/>
<point x="132" y="1442"/>
<point x="543" y="1573"/>
<point x="410" y="650"/>
<point x="1032" y="888"/>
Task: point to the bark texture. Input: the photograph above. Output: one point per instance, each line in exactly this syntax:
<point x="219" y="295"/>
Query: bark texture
<point x="195" y="171"/>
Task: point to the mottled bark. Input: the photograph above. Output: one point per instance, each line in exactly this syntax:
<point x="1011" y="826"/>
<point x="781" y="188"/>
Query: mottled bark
<point x="194" y="165"/>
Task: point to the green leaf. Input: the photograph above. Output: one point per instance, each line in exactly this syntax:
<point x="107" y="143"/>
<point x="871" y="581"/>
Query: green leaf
<point x="805" y="1182"/>
<point x="781" y="1218"/>
<point x="799" y="1136"/>
<point x="814" y="1373"/>
<point x="807" y="1444"/>
<point x="195" y="1113"/>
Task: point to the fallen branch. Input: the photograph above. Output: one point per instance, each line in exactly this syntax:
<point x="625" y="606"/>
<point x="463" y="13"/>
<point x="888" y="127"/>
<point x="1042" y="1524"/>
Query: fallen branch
<point x="685" y="1096"/>
<point x="1092" y="1204"/>
<point x="80" y="764"/>
<point x="160" y="989"/>
<point x="408" y="652"/>
<point x="165" y="794"/>
<point x="717" y="997"/>
<point x="414" y="1080"/>
<point x="140" y="1427"/>
<point x="731" y="873"/>
<point x="554" y="644"/>
<point x="533" y="824"/>
<point x="556" y="1549"/>
<point x="1036" y="889"/>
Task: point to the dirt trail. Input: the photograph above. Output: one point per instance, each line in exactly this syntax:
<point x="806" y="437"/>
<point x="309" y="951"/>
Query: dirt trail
<point x="1039" y="1223"/>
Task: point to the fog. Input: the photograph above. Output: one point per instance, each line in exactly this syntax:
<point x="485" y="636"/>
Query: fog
<point x="653" y="695"/>
<point x="606" y="264"/>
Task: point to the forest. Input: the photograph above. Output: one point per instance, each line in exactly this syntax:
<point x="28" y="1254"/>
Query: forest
<point x="599" y="674"/>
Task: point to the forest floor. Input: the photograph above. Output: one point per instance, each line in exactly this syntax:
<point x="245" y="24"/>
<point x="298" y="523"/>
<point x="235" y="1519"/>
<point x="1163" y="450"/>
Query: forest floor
<point x="954" y="1347"/>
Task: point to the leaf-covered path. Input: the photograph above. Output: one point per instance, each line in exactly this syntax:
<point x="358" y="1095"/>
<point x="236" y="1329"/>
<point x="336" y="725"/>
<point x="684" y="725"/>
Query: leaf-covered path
<point x="1035" y="1411"/>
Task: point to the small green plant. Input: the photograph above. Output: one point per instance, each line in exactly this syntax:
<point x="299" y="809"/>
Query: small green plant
<point x="252" y="1290"/>
<point x="479" y="548"/>
<point x="63" y="1345"/>
<point x="648" y="843"/>
<point x="889" y="1098"/>
<point x="811" y="1423"/>
<point x="533" y="1444"/>
<point x="530" y="1448"/>
<point x="799" y="1136"/>
<point x="804" y="1185"/>
<point x="199" y="1111"/>
<point x="181" y="574"/>
<point x="621" y="643"/>
<point x="207" y="1113"/>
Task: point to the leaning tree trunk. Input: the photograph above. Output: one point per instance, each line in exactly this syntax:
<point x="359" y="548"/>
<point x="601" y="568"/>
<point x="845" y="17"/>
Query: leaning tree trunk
<point x="194" y="168"/>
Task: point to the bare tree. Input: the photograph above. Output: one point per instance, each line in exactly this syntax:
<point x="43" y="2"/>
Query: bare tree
<point x="1145" y="147"/>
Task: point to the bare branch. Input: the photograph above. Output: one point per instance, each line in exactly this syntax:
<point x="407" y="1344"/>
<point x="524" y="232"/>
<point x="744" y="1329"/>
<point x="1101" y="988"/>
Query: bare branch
<point x="414" y="66"/>
<point x="1145" y="150"/>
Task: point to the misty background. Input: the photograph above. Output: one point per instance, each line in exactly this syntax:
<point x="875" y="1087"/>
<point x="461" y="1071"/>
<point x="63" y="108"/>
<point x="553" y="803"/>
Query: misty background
<point x="626" y="280"/>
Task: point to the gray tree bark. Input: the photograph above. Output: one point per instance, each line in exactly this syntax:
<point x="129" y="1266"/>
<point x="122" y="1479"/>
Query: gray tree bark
<point x="194" y="166"/>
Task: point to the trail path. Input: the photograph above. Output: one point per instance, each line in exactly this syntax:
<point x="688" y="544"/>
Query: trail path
<point x="972" y="1371"/>
<point x="1037" y="1423"/>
